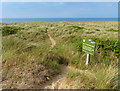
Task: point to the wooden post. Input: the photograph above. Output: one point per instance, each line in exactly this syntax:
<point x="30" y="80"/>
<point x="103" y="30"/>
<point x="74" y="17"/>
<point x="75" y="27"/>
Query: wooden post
<point x="88" y="59"/>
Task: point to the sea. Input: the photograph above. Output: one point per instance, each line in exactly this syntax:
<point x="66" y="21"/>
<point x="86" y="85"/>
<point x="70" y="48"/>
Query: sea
<point x="10" y="20"/>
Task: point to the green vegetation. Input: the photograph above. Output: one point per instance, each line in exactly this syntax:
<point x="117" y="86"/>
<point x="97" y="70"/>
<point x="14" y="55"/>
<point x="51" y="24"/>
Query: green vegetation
<point x="76" y="27"/>
<point x="105" y="59"/>
<point x="97" y="78"/>
<point x="81" y="80"/>
<point x="10" y="30"/>
<point x="97" y="29"/>
<point x="28" y="51"/>
<point x="112" y="30"/>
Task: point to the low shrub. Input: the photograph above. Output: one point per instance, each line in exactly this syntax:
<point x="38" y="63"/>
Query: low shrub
<point x="10" y="30"/>
<point x="112" y="30"/>
<point x="76" y="27"/>
<point x="97" y="29"/>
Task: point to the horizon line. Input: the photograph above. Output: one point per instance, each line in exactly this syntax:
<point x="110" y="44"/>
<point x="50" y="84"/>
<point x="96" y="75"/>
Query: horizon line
<point x="56" y="17"/>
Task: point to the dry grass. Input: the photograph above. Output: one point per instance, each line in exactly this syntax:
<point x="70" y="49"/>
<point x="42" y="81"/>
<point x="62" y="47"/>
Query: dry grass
<point x="28" y="52"/>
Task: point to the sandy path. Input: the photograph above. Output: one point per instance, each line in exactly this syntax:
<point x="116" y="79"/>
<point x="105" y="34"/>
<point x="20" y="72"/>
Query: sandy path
<point x="51" y="39"/>
<point x="59" y="81"/>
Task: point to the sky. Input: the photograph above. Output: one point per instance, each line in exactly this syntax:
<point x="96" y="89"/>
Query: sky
<point x="60" y="0"/>
<point x="59" y="10"/>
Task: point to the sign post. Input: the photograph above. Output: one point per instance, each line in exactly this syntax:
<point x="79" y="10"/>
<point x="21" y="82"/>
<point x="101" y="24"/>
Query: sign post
<point x="89" y="48"/>
<point x="88" y="59"/>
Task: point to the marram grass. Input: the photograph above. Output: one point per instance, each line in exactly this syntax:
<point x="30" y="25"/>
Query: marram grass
<point x="27" y="56"/>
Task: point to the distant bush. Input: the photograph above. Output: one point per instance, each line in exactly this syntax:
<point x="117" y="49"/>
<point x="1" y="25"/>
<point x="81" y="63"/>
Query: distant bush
<point x="97" y="29"/>
<point x="10" y="30"/>
<point x="76" y="27"/>
<point x="112" y="30"/>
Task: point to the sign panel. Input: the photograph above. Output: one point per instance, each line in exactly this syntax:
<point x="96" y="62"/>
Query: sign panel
<point x="88" y="46"/>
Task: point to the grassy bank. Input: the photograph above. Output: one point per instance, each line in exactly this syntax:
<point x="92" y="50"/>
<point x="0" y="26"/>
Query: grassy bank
<point x="27" y="54"/>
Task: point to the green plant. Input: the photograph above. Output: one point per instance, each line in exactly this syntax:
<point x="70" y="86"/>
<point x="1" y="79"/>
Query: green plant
<point x="76" y="27"/>
<point x="10" y="30"/>
<point x="81" y="80"/>
<point x="112" y="30"/>
<point x="106" y="76"/>
<point x="30" y="48"/>
<point x="97" y="29"/>
<point x="107" y="45"/>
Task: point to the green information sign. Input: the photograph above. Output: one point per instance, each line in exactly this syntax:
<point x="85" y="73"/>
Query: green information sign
<point x="88" y="46"/>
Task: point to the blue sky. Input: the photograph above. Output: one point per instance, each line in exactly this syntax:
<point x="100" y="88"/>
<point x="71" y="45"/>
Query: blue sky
<point x="59" y="10"/>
